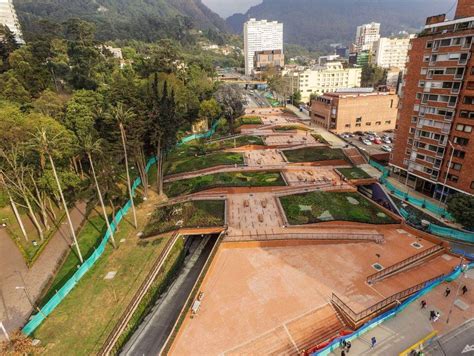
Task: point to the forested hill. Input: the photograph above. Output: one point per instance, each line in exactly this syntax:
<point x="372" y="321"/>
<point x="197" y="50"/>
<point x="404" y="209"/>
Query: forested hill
<point x="317" y="23"/>
<point x="124" y="19"/>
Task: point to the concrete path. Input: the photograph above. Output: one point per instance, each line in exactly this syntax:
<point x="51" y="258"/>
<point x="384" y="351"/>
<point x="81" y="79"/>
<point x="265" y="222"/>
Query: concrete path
<point x="14" y="305"/>
<point x="333" y="139"/>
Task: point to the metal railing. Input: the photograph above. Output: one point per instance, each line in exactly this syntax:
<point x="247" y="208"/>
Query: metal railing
<point x="404" y="263"/>
<point x="376" y="237"/>
<point x="355" y="319"/>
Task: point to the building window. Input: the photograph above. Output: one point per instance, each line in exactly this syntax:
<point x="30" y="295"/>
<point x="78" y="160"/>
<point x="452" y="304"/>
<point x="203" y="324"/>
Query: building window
<point x="455" y="166"/>
<point x="472" y="184"/>
<point x="453" y="178"/>
<point x="368" y="124"/>
<point x="388" y="122"/>
<point x="347" y="125"/>
<point x="429" y="44"/>
<point x="378" y="123"/>
<point x="358" y="125"/>
<point x="459" y="154"/>
<point x="359" y="119"/>
<point x="463" y="128"/>
<point x="461" y="141"/>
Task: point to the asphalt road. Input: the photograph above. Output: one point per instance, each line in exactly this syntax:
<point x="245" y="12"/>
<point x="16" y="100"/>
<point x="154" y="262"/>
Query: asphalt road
<point x="457" y="342"/>
<point x="154" y="331"/>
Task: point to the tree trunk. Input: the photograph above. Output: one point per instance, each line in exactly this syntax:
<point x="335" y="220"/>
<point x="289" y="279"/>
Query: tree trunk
<point x="71" y="227"/>
<point x="81" y="169"/>
<point x="160" y="187"/>
<point x="99" y="194"/>
<point x="15" y="210"/>
<point x="40" y="201"/>
<point x="113" y="215"/>
<point x="51" y="208"/>
<point x="34" y="219"/>
<point x="122" y="132"/>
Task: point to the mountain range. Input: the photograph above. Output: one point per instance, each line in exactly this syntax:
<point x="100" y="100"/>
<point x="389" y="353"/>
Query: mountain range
<point x="123" y="19"/>
<point x="317" y="23"/>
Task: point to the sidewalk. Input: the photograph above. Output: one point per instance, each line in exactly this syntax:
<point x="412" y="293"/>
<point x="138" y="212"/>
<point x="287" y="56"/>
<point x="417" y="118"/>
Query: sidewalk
<point x="331" y="138"/>
<point x="412" y="325"/>
<point x="14" y="305"/>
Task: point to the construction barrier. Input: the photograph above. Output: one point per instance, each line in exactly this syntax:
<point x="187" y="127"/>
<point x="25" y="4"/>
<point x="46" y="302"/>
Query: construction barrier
<point x="53" y="302"/>
<point x="464" y="236"/>
<point x="391" y="313"/>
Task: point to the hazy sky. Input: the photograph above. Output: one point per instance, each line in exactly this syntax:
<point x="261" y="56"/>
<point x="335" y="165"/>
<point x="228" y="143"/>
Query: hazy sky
<point x="225" y="8"/>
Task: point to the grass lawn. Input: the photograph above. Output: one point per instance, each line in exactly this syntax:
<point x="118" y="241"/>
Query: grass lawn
<point x="316" y="207"/>
<point x="248" y="120"/>
<point x="319" y="138"/>
<point x="89" y="238"/>
<point x="195" y="163"/>
<point x="201" y="213"/>
<point x="231" y="143"/>
<point x="240" y="179"/>
<point x="314" y="154"/>
<point x="354" y="173"/>
<point x="291" y="128"/>
<point x="82" y="322"/>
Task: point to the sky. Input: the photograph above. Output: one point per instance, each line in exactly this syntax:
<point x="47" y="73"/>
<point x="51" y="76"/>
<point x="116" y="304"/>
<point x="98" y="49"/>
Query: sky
<point x="225" y="8"/>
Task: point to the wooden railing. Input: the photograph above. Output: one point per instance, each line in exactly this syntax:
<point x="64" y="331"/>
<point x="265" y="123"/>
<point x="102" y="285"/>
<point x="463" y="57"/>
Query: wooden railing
<point x="375" y="237"/>
<point x="404" y="263"/>
<point x="356" y="319"/>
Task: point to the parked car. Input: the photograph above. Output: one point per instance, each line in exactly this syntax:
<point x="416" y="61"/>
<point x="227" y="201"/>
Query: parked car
<point x="387" y="140"/>
<point x="366" y="142"/>
<point x="377" y="141"/>
<point x="386" y="148"/>
<point x="370" y="138"/>
<point x="361" y="138"/>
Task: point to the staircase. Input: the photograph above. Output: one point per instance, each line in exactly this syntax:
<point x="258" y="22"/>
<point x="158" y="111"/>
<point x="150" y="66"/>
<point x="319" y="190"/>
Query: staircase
<point x="315" y="328"/>
<point x="354" y="156"/>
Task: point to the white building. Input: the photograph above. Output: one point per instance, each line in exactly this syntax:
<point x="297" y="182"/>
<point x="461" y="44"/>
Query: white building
<point x="8" y="17"/>
<point x="366" y="36"/>
<point x="323" y="79"/>
<point x="261" y="35"/>
<point x="391" y="52"/>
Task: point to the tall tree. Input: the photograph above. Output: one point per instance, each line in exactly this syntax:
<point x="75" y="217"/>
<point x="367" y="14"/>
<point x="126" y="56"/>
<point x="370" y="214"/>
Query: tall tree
<point x="48" y="146"/>
<point x="90" y="146"/>
<point x="230" y="99"/>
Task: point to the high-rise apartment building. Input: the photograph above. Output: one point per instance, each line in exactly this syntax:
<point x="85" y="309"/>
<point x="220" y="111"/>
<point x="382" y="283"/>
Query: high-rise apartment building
<point x="260" y="36"/>
<point x="434" y="139"/>
<point x="8" y="17"/>
<point x="322" y="79"/>
<point x="390" y="52"/>
<point x="366" y="36"/>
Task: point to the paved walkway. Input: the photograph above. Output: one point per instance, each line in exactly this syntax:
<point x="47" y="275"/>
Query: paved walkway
<point x="14" y="305"/>
<point x="333" y="139"/>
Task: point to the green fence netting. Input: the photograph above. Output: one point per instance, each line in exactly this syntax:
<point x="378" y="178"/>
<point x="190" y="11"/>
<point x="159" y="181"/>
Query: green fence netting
<point x="52" y="303"/>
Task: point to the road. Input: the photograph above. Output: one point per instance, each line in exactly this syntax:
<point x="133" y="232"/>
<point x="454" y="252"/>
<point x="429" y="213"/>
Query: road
<point x="458" y="342"/>
<point x="255" y="99"/>
<point x="154" y="331"/>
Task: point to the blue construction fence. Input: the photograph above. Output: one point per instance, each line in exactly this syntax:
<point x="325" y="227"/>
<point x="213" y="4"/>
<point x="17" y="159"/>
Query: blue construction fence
<point x="393" y="312"/>
<point x="52" y="303"/>
<point x="442" y="231"/>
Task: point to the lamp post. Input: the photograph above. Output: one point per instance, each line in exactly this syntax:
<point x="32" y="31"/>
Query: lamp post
<point x="30" y="300"/>
<point x="447" y="173"/>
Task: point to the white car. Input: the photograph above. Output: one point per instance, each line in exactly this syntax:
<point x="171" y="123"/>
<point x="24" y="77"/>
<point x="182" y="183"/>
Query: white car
<point x="386" y="148"/>
<point x="366" y="142"/>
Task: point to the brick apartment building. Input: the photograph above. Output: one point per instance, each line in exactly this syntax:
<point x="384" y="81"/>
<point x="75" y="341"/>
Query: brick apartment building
<point x="269" y="58"/>
<point x="434" y="139"/>
<point x="359" y="109"/>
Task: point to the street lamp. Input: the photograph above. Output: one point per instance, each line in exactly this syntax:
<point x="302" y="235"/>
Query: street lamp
<point x="447" y="173"/>
<point x="30" y="300"/>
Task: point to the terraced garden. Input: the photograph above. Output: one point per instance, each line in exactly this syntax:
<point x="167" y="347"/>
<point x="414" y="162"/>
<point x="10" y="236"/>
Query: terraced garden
<point x="314" y="154"/>
<point x="354" y="173"/>
<point x="234" y="142"/>
<point x="200" y="213"/>
<point x="317" y="207"/>
<point x="291" y="128"/>
<point x="190" y="163"/>
<point x="248" y="120"/>
<point x="234" y="179"/>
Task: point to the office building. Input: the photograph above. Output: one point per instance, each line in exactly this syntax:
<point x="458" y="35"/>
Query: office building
<point x="390" y="52"/>
<point x="434" y="140"/>
<point x="322" y="79"/>
<point x="269" y="58"/>
<point x="360" y="109"/>
<point x="259" y="36"/>
<point x="366" y="36"/>
<point x="8" y="18"/>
